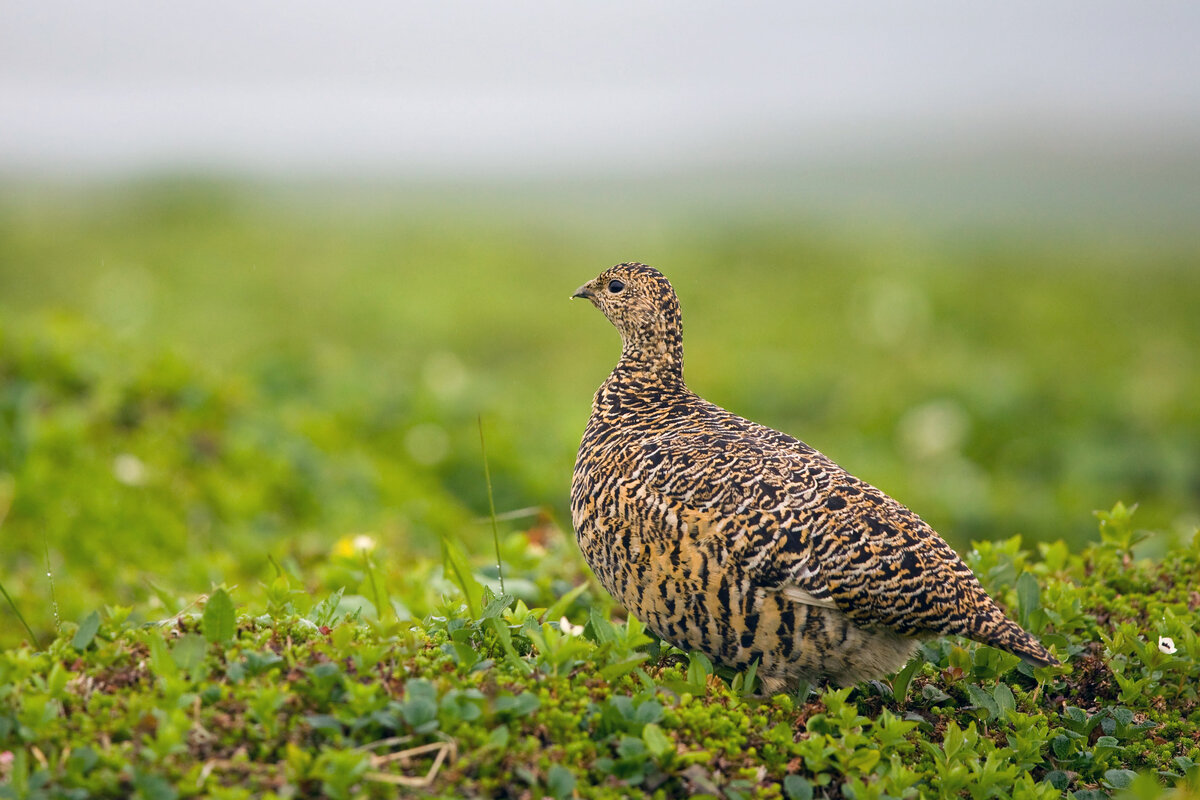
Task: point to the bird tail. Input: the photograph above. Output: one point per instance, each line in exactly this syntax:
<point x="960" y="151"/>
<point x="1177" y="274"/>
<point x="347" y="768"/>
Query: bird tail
<point x="1010" y="636"/>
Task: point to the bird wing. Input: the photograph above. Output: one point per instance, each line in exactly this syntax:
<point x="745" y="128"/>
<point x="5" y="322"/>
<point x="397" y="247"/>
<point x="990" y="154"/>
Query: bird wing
<point x="796" y="523"/>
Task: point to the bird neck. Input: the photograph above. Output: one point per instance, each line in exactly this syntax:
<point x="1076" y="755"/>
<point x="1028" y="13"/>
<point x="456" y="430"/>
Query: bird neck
<point x="654" y="356"/>
<point x="664" y="366"/>
<point x="638" y="381"/>
<point x="652" y="347"/>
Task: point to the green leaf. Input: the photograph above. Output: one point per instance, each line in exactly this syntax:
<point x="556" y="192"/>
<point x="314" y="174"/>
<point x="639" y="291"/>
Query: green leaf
<point x="1062" y="746"/>
<point x="324" y="612"/>
<point x="219" y="622"/>
<point x="153" y="787"/>
<point x="420" y="705"/>
<point x="1119" y="778"/>
<point x="259" y="663"/>
<point x="87" y="632"/>
<point x="1058" y="779"/>
<point x="616" y="670"/>
<point x="560" y="781"/>
<point x="1029" y="598"/>
<point x="904" y="677"/>
<point x="504" y="636"/>
<point x="82" y="760"/>
<point x="517" y="705"/>
<point x="933" y="693"/>
<point x="561" y="605"/>
<point x="953" y="740"/>
<point x="169" y="601"/>
<point x="630" y="747"/>
<point x="1005" y="700"/>
<point x="56" y="680"/>
<point x="649" y="711"/>
<point x="699" y="668"/>
<point x="161" y="663"/>
<point x="797" y="787"/>
<point x="188" y="654"/>
<point x="863" y="760"/>
<point x="599" y="629"/>
<point x="657" y="742"/>
<point x="496" y="605"/>
<point x="981" y="698"/>
<point x="750" y="674"/>
<point x="498" y="738"/>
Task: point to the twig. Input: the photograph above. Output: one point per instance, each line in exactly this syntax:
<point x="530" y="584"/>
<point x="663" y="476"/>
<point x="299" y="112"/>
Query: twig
<point x="447" y="748"/>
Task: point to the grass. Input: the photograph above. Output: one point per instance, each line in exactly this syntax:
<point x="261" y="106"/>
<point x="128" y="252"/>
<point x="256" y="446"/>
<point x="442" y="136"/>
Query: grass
<point x="215" y="392"/>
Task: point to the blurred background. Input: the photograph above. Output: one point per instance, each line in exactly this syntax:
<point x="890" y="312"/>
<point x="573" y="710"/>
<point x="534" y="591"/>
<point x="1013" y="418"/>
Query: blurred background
<point x="264" y="269"/>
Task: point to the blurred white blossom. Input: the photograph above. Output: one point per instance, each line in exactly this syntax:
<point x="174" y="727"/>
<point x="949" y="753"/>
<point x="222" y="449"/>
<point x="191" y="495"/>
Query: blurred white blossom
<point x="934" y="429"/>
<point x="445" y="376"/>
<point x="427" y="443"/>
<point x="129" y="469"/>
<point x="569" y="629"/>
<point x="1166" y="645"/>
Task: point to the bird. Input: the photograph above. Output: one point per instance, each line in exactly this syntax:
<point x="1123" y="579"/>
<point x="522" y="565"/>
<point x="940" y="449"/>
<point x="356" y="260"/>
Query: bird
<point x="742" y="542"/>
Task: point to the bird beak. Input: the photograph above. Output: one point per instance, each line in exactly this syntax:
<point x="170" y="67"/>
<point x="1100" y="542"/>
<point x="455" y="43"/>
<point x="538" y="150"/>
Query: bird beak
<point x="584" y="291"/>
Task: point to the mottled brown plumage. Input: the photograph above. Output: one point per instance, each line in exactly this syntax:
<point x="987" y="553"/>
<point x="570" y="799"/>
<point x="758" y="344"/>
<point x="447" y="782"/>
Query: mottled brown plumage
<point x="734" y="539"/>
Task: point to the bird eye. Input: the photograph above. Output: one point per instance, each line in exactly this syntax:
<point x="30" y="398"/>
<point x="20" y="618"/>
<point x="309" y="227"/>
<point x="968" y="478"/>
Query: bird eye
<point x="615" y="286"/>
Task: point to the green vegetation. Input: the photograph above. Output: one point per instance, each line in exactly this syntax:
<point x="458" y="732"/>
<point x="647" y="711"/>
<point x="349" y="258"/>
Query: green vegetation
<point x="486" y="697"/>
<point x="244" y="534"/>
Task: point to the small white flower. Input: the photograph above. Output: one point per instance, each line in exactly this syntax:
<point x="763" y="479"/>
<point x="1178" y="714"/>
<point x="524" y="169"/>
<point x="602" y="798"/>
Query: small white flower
<point x="1166" y="645"/>
<point x="363" y="543"/>
<point x="566" y="627"/>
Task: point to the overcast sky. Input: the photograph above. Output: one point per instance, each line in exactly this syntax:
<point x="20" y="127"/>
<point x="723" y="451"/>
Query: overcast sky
<point x="561" y="85"/>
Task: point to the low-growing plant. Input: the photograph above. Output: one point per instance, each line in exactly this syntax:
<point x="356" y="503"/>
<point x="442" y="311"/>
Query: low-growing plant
<point x="307" y="694"/>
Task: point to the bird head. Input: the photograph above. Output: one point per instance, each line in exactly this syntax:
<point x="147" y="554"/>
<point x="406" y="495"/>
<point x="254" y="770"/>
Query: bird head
<point x="640" y="303"/>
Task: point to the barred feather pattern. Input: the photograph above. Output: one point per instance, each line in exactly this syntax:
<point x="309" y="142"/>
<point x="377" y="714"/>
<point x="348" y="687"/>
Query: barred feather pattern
<point x="737" y="540"/>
